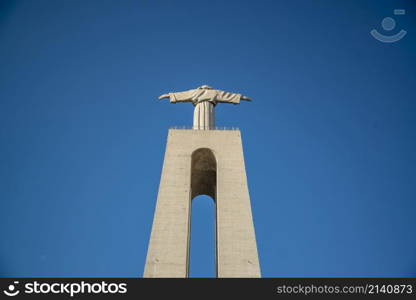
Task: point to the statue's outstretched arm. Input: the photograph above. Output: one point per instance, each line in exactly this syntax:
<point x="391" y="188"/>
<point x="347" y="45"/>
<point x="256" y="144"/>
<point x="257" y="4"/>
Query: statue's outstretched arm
<point x="164" y="96"/>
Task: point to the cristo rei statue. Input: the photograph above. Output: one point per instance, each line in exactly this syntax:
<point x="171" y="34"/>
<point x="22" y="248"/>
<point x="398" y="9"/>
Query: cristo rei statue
<point x="204" y="99"/>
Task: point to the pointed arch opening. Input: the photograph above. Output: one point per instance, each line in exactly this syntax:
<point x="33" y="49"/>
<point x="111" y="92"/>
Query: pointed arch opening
<point x="202" y="261"/>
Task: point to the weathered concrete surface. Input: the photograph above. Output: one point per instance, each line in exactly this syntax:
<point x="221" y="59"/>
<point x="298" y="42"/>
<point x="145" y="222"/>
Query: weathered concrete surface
<point x="168" y="252"/>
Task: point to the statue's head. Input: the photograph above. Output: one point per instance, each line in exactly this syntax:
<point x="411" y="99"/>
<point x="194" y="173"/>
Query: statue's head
<point x="205" y="87"/>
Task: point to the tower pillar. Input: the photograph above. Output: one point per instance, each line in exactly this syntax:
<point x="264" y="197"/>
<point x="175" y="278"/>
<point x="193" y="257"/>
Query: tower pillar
<point x="203" y="162"/>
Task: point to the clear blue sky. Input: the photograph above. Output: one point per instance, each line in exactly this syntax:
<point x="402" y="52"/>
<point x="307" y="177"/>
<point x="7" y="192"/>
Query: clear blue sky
<point x="329" y="139"/>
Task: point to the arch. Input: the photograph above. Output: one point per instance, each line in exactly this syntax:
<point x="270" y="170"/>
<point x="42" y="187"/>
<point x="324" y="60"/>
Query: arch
<point x="203" y="182"/>
<point x="203" y="173"/>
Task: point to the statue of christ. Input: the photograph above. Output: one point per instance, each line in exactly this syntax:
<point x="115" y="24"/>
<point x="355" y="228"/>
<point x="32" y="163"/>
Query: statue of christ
<point x="204" y="99"/>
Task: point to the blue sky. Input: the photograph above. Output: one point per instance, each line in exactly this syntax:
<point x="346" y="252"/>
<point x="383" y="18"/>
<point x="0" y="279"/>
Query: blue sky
<point x="329" y="139"/>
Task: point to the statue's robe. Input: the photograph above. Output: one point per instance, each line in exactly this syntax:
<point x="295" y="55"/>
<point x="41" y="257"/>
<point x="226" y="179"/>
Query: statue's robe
<point x="204" y="101"/>
<point x="200" y="95"/>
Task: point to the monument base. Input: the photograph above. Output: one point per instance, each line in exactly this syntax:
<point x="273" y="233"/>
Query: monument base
<point x="203" y="162"/>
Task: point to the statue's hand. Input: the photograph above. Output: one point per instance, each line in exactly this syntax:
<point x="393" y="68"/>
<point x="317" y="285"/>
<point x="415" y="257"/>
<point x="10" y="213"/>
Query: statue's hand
<point x="164" y="96"/>
<point x="245" y="98"/>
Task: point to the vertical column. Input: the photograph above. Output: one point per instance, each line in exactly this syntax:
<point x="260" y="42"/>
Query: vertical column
<point x="167" y="254"/>
<point x="236" y="242"/>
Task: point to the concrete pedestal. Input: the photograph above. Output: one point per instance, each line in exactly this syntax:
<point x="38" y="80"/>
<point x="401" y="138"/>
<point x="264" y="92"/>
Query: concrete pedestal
<point x="203" y="162"/>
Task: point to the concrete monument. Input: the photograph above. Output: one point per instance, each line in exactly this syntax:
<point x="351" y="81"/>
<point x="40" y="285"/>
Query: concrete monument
<point x="203" y="161"/>
<point x="204" y="98"/>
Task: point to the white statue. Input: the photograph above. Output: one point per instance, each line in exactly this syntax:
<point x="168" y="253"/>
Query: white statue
<point x="204" y="98"/>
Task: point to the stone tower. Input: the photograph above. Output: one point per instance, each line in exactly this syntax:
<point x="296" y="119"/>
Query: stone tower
<point x="203" y="161"/>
